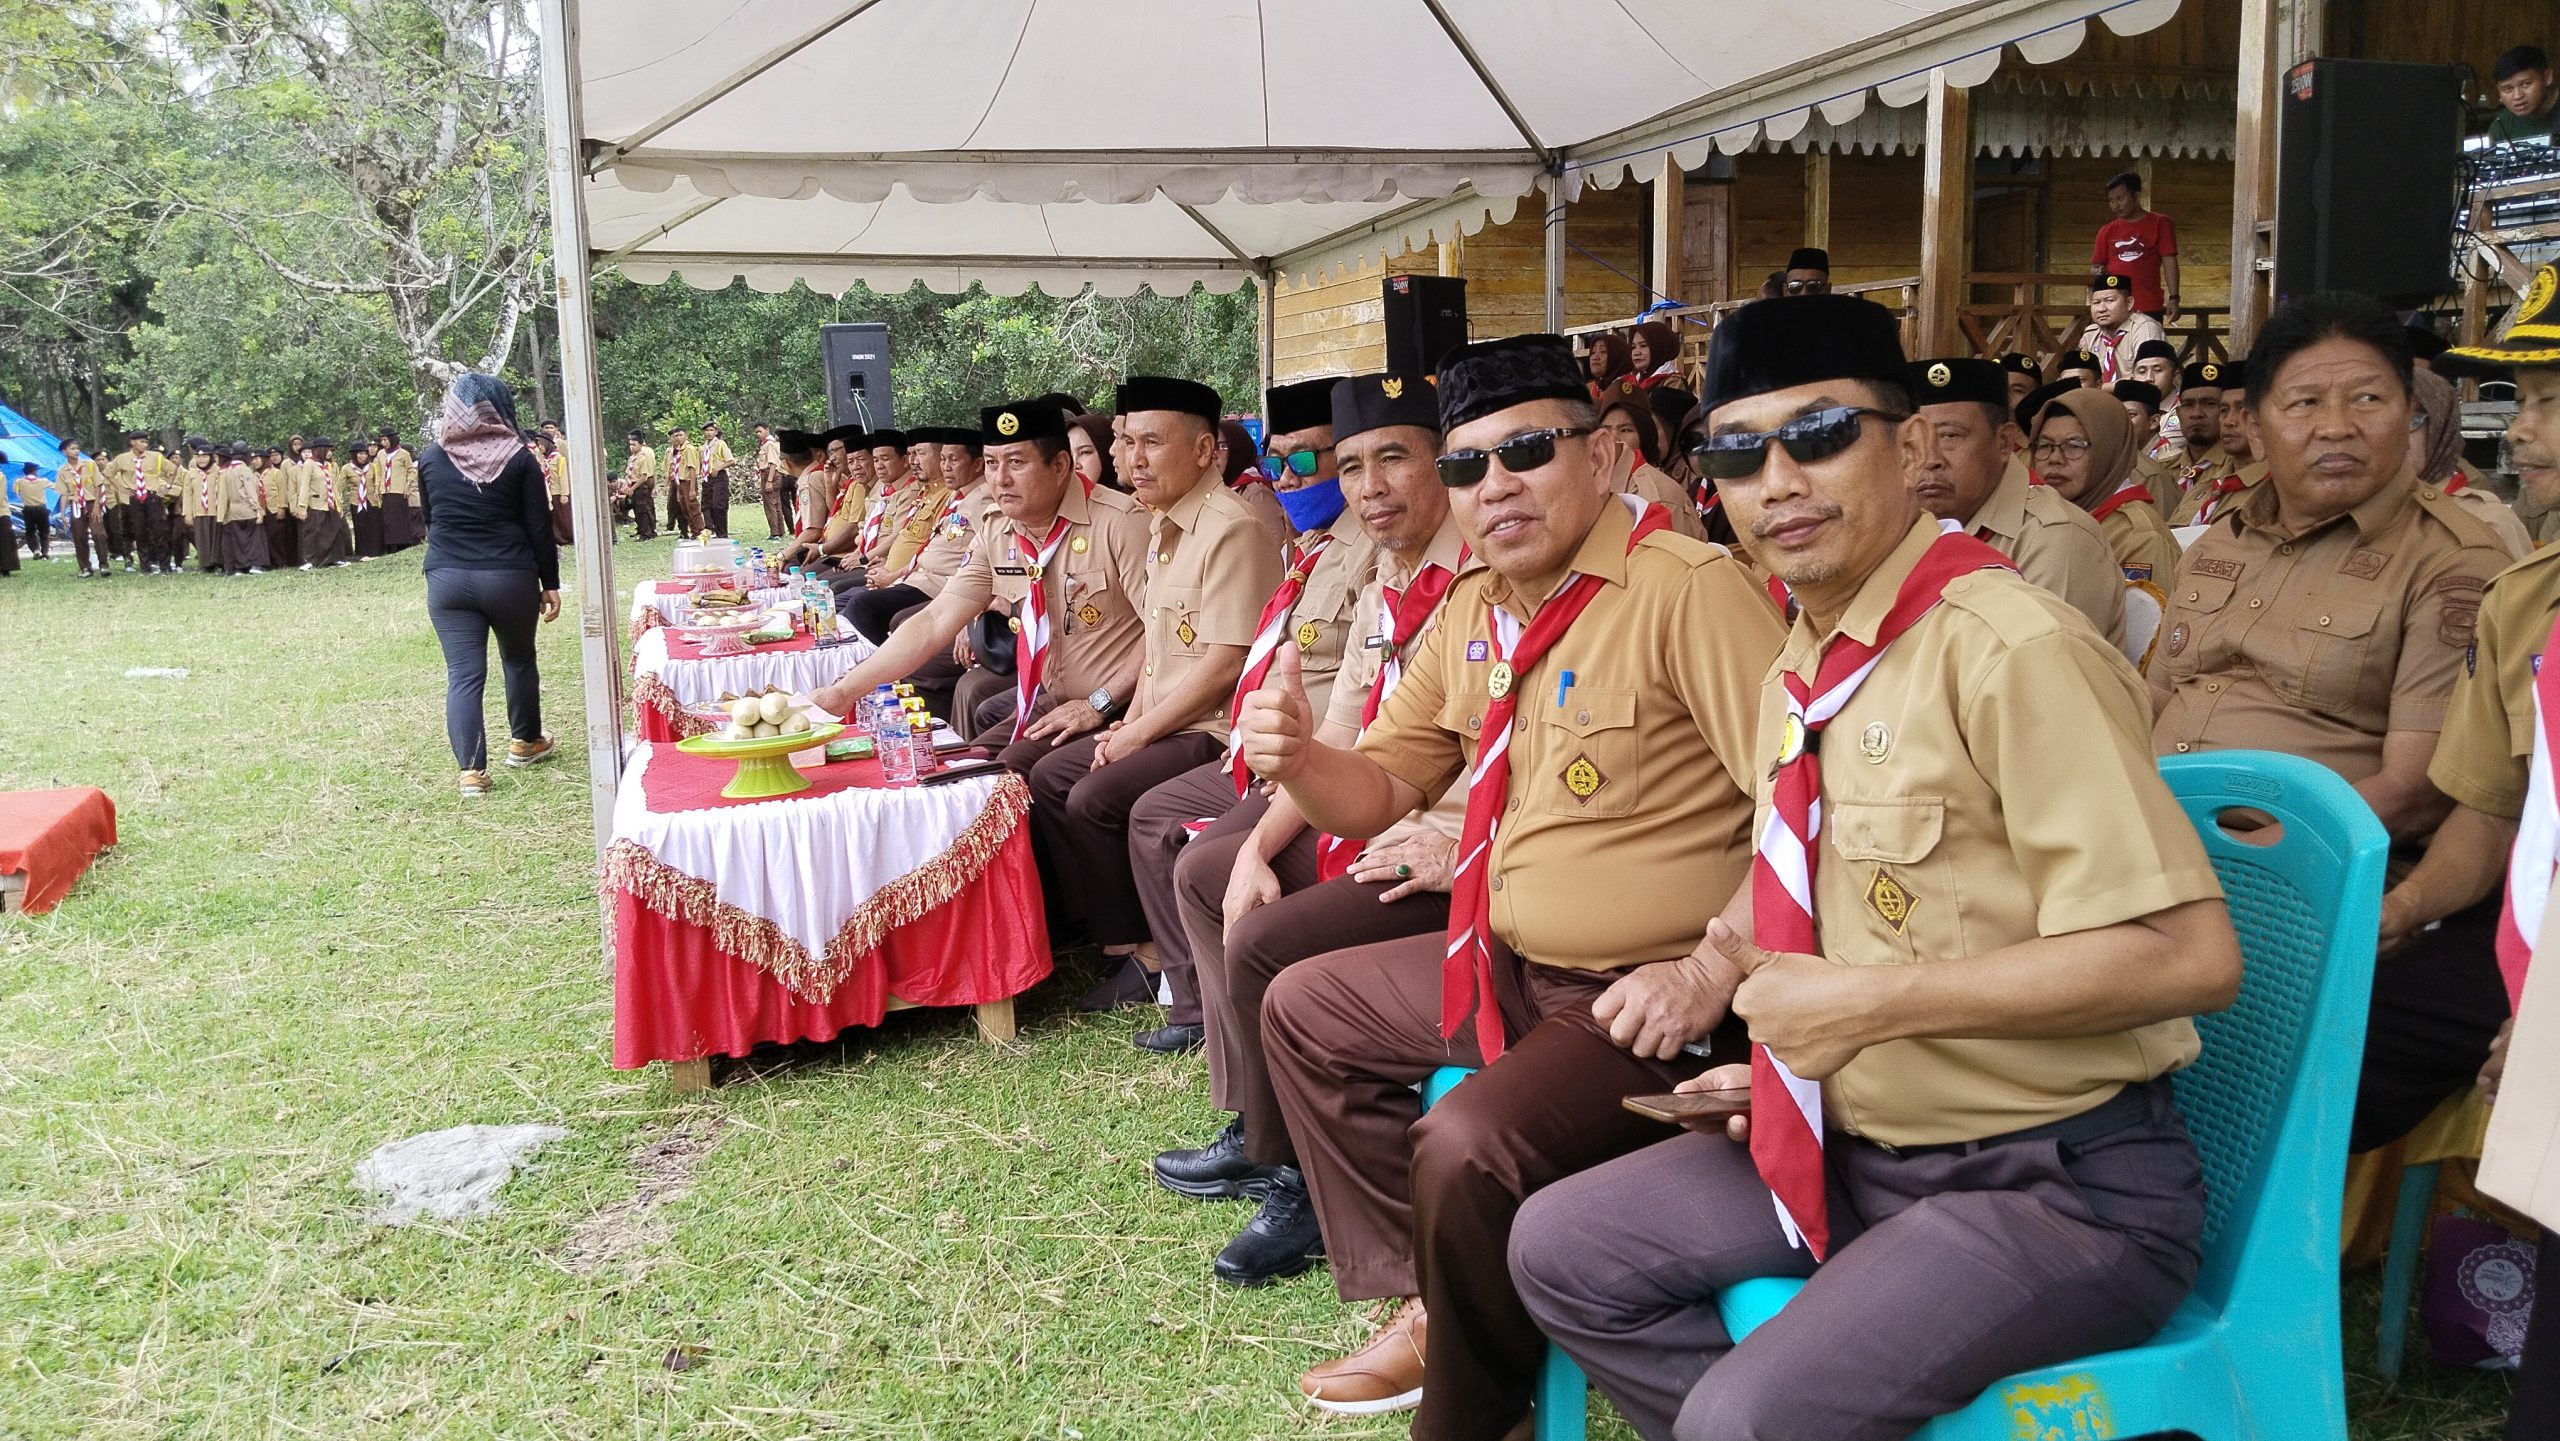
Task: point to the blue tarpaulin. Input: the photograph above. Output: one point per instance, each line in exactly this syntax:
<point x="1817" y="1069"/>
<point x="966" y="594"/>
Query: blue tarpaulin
<point x="22" y="440"/>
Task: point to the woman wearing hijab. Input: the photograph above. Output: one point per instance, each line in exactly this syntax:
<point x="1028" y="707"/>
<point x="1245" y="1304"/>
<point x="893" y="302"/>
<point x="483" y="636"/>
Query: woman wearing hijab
<point x="492" y="566"/>
<point x="2084" y="447"/>
<point x="2437" y="450"/>
<point x="244" y="511"/>
<point x="1653" y="356"/>
<point x="1240" y="460"/>
<point x="1629" y="423"/>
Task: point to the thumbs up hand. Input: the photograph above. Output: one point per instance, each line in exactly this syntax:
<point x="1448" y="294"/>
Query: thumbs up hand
<point x="1810" y="1013"/>
<point x="1276" y="724"/>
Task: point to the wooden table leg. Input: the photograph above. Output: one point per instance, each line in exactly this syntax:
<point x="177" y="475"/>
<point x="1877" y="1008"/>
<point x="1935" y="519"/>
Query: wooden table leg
<point x="995" y="1022"/>
<point x="686" y="1077"/>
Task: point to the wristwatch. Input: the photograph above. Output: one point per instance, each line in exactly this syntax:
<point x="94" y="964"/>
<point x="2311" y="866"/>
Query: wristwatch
<point x="1100" y="700"/>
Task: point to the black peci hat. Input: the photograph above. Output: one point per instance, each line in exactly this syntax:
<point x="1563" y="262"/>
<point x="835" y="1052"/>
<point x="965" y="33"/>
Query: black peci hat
<point x="2140" y="392"/>
<point x="1165" y="392"/>
<point x="1956" y="378"/>
<point x="1477" y="380"/>
<point x="991" y="636"/>
<point x="1362" y="403"/>
<point x="2205" y="375"/>
<point x="1039" y="419"/>
<point x="1801" y="340"/>
<point x="1299" y="405"/>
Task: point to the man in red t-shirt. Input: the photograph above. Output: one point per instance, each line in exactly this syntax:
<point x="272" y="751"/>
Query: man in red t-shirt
<point x="2140" y="245"/>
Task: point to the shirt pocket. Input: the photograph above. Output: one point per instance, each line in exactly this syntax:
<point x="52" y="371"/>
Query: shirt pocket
<point x="1907" y="906"/>
<point x="2335" y="640"/>
<point x="1086" y="595"/>
<point x="1321" y="625"/>
<point x="1176" y="618"/>
<point x="2196" y="604"/>
<point x="1590" y="755"/>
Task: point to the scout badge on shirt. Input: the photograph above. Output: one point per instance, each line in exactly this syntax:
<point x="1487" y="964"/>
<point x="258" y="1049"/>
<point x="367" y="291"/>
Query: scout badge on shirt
<point x="1477" y="650"/>
<point x="1876" y="743"/>
<point x="1583" y="778"/>
<point x="1185" y="634"/>
<point x="1307" y="633"/>
<point x="1089" y="613"/>
<point x="1890" y="901"/>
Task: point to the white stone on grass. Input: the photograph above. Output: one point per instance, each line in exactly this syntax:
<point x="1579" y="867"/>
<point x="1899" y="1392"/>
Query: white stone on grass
<point x="448" y="1174"/>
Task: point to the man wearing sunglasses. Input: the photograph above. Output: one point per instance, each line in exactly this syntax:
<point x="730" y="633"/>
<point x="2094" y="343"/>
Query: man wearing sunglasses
<point x="1259" y="891"/>
<point x="1597" y="685"/>
<point x="1975" y="934"/>
<point x="1210" y="567"/>
<point x="1808" y="272"/>
<point x="1311" y="611"/>
<point x="1972" y="476"/>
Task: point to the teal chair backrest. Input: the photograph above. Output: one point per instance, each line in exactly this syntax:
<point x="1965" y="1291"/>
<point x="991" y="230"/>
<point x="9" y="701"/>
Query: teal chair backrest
<point x="2269" y="1100"/>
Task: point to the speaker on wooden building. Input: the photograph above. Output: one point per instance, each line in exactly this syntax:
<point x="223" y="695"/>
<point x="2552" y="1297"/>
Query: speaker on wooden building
<point x="2367" y="173"/>
<point x="857" y="358"/>
<point x="1426" y="319"/>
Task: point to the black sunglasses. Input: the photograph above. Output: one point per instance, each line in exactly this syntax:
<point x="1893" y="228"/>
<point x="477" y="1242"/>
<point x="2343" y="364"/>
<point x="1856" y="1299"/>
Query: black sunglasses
<point x="1808" y="438"/>
<point x="1520" y="454"/>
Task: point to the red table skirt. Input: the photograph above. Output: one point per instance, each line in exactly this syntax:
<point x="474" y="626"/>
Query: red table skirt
<point x="679" y="997"/>
<point x="51" y="836"/>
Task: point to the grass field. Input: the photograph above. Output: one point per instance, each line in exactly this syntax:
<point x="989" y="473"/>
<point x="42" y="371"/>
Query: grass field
<point x="306" y="945"/>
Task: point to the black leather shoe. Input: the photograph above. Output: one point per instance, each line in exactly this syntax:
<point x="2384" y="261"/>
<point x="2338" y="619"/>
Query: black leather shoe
<point x="1282" y="1239"/>
<point x="1128" y="986"/>
<point x="1171" y="1040"/>
<point x="1218" y="1171"/>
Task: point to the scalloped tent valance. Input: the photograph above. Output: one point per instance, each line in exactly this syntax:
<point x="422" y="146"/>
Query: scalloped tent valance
<point x="1163" y="143"/>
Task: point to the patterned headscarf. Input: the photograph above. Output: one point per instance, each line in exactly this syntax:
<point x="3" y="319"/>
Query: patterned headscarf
<point x="478" y="428"/>
<point x="2441" y="407"/>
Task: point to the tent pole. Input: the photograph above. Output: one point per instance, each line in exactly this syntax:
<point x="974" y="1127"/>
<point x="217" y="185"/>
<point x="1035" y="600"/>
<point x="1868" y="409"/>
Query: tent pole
<point x="1555" y="250"/>
<point x="591" y="517"/>
<point x="1266" y="340"/>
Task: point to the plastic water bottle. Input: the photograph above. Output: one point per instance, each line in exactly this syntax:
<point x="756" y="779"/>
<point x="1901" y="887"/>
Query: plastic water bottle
<point x="897" y="757"/>
<point x="875" y="709"/>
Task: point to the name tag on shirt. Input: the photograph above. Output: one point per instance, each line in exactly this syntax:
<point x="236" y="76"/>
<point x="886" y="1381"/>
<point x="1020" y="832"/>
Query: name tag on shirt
<point x="1012" y="570"/>
<point x="1375" y="642"/>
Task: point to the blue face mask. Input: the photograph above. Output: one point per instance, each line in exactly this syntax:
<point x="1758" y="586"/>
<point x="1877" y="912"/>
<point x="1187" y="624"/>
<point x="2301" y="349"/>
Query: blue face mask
<point x="1312" y="506"/>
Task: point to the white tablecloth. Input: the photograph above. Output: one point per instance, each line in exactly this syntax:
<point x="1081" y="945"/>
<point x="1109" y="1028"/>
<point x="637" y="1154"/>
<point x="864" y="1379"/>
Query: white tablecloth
<point x="695" y="682"/>
<point x="645" y="597"/>
<point x="826" y="875"/>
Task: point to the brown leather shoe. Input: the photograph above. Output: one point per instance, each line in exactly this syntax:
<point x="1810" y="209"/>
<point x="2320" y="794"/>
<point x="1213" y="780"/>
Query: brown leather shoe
<point x="1384" y="1375"/>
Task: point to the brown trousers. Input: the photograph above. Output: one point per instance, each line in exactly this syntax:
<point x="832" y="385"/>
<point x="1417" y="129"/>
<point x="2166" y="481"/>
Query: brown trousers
<point x="88" y="538"/>
<point x="715" y="502"/>
<point x="1415" y="1204"/>
<point x="1080" y="828"/>
<point x="1948" y="1271"/>
<point x="778" y="521"/>
<point x="1159" y="836"/>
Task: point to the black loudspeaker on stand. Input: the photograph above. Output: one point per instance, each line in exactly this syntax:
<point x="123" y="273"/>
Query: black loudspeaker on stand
<point x="2368" y="168"/>
<point x="857" y="358"/>
<point x="1426" y="319"/>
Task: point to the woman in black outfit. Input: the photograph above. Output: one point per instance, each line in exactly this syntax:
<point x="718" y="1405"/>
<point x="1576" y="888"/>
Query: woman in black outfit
<point x="491" y="566"/>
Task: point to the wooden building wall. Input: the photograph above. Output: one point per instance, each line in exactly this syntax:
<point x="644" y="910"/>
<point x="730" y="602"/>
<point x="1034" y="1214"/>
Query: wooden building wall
<point x="1338" y="327"/>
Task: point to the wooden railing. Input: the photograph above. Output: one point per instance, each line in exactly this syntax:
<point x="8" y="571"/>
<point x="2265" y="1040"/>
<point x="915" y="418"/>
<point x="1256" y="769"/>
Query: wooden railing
<point x="2025" y="322"/>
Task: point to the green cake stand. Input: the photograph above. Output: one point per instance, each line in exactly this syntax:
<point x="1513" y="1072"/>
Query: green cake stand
<point x="764" y="763"/>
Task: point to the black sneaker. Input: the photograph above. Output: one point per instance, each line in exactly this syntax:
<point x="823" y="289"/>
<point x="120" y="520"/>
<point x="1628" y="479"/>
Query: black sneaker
<point x="1218" y="1171"/>
<point x="1282" y="1239"/>
<point x="1128" y="986"/>
<point x="1171" y="1040"/>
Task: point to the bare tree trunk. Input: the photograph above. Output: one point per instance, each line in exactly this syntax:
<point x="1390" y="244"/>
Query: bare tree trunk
<point x="96" y="385"/>
<point x="541" y="373"/>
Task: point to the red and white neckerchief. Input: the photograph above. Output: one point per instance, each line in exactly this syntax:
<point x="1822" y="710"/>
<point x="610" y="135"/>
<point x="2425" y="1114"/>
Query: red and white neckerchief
<point x="2122" y="498"/>
<point x="2107" y="357"/>
<point x="1466" y="971"/>
<point x="1401" y="616"/>
<point x="2455" y="483"/>
<point x="2537" y="849"/>
<point x="204" y="491"/>
<point x="1031" y="657"/>
<point x="2223" y="489"/>
<point x="871" y="522"/>
<point x="1268" y="634"/>
<point x="950" y="513"/>
<point x="1786" y="1109"/>
<point x="2188" y="477"/>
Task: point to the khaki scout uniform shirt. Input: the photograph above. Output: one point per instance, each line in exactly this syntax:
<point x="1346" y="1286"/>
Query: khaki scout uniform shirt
<point x="29" y="489"/>
<point x="81" y="484"/>
<point x="159" y="475"/>
<point x="684" y="466"/>
<point x="1627" y="826"/>
<point x="2485" y="752"/>
<point x="2139" y="537"/>
<point x="1092" y="590"/>
<point x="769" y="457"/>
<point x="400" y="473"/>
<point x="237" y="495"/>
<point x="948" y="550"/>
<point x="319" y="486"/>
<point x="120" y="476"/>
<point x="2322" y="642"/>
<point x="717" y="457"/>
<point x="2252" y="476"/>
<point x="2496" y="514"/>
<point x="1648" y="483"/>
<point x="2171" y="481"/>
<point x="1264" y="504"/>
<point x="817" y="497"/>
<point x="909" y="525"/>
<point x="2054" y="543"/>
<point x="640" y="471"/>
<point x="1328" y="614"/>
<point x="1364" y="660"/>
<point x="1210" y="568"/>
<point x="1954" y="824"/>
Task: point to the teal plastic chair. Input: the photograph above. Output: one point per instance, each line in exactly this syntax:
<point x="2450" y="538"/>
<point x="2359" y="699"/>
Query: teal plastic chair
<point x="1563" y="1394"/>
<point x="2400" y="1264"/>
<point x="2254" y="1353"/>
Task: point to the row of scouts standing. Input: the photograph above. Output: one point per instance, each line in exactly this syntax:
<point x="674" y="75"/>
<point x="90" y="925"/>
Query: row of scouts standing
<point x="238" y="509"/>
<point x="1444" y="739"/>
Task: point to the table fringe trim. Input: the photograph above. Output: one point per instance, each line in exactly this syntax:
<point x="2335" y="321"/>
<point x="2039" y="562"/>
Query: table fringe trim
<point x="657" y="695"/>
<point x="630" y="866"/>
<point x="646" y="621"/>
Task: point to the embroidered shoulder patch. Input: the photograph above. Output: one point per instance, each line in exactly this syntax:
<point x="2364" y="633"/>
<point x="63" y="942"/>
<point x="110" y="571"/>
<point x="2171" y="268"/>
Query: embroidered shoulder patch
<point x="2364" y="564"/>
<point x="1891" y="900"/>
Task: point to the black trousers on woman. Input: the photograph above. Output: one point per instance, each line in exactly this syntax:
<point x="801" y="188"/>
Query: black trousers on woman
<point x="467" y="606"/>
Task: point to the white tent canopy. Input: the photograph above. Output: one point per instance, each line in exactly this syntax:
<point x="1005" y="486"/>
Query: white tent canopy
<point x="1163" y="142"/>
<point x="1157" y="143"/>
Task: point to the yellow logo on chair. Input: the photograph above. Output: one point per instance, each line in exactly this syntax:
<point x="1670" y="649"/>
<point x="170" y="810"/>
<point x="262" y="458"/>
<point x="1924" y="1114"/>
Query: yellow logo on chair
<point x="2071" y="1409"/>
